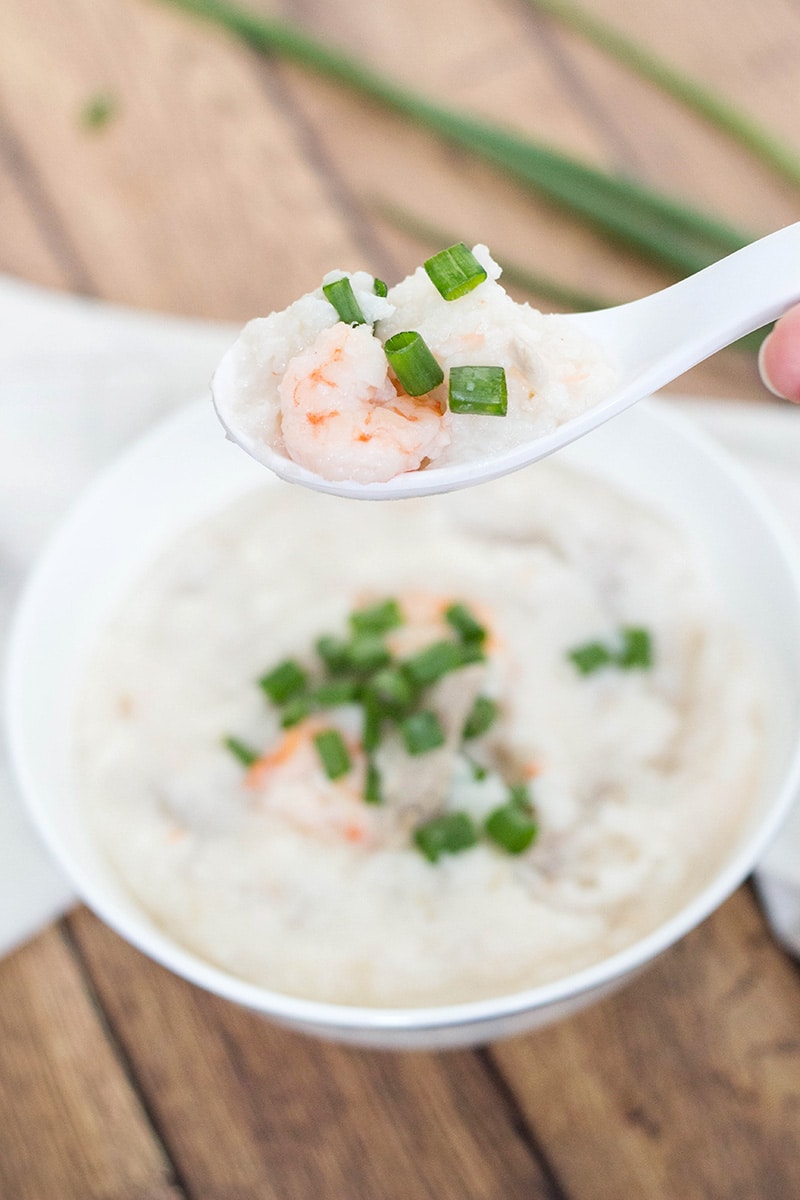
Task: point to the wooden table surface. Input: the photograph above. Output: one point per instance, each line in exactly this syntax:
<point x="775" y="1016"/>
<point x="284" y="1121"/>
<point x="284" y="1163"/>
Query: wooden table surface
<point x="224" y="185"/>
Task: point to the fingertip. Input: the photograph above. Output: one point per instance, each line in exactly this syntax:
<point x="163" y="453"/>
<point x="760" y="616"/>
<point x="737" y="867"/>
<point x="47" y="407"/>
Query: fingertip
<point x="779" y="358"/>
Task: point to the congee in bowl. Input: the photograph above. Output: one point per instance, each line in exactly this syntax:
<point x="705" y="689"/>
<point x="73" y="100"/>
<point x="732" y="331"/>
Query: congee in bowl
<point x="418" y="773"/>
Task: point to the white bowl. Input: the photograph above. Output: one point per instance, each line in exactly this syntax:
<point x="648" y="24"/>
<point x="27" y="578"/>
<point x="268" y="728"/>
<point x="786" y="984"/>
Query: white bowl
<point x="183" y="470"/>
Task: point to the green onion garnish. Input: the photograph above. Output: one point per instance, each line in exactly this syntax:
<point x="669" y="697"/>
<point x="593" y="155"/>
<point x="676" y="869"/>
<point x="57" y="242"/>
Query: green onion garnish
<point x="380" y="288"/>
<point x="422" y="732"/>
<point x="413" y="363"/>
<point x="333" y="652"/>
<point x="378" y="618"/>
<point x="335" y="692"/>
<point x="478" y="390"/>
<point x="99" y="111"/>
<point x="468" y="628"/>
<point x="372" y="785"/>
<point x="512" y="825"/>
<point x="241" y="751"/>
<point x="436" y="660"/>
<point x="455" y="271"/>
<point x="343" y="298"/>
<point x="481" y="717"/>
<point x="367" y="652"/>
<point x="296" y="710"/>
<point x="635" y="652"/>
<point x="283" y="681"/>
<point x="449" y="834"/>
<point x="637" y="649"/>
<point x="333" y="753"/>
<point x="590" y="657"/>
<point x="393" y="691"/>
<point x="371" y="727"/>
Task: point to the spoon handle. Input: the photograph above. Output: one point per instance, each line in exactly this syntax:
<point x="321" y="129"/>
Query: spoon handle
<point x="660" y="336"/>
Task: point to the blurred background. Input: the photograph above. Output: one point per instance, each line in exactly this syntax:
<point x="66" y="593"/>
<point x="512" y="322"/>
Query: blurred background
<point x="149" y="158"/>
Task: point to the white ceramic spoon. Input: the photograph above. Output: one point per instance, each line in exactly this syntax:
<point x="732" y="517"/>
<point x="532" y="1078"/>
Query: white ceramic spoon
<point x="652" y="340"/>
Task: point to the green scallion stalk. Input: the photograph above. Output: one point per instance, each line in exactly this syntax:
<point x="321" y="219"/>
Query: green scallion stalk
<point x="99" y="111"/>
<point x="434" y="661"/>
<point x="373" y="793"/>
<point x="341" y="295"/>
<point x="482" y="716"/>
<point x="378" y="618"/>
<point x="637" y="649"/>
<point x="335" y="692"/>
<point x="296" y="710"/>
<point x="412" y="362"/>
<point x="478" y="391"/>
<point x="454" y="272"/>
<point x="422" y="732"/>
<point x="367" y="652"/>
<point x="512" y="826"/>
<point x="691" y="93"/>
<point x="450" y="833"/>
<point x="590" y="657"/>
<point x="283" y="681"/>
<point x="244" y="754"/>
<point x="333" y="652"/>
<point x="333" y="753"/>
<point x="393" y="692"/>
<point x="465" y="623"/>
<point x="661" y="228"/>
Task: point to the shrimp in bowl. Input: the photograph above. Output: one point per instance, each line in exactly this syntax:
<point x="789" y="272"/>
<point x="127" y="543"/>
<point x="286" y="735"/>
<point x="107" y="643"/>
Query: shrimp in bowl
<point x="325" y="385"/>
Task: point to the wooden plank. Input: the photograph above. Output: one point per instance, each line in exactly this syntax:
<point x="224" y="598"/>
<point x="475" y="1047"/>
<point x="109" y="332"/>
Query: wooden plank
<point x="71" y="1124"/>
<point x="33" y="244"/>
<point x="253" y="1111"/>
<point x="196" y="196"/>
<point x="686" y="1084"/>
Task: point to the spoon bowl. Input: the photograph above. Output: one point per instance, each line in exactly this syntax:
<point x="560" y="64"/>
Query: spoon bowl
<point x="651" y="341"/>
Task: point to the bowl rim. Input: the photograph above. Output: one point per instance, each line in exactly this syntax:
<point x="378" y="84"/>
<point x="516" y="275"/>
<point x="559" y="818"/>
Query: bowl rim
<point x="330" y="1017"/>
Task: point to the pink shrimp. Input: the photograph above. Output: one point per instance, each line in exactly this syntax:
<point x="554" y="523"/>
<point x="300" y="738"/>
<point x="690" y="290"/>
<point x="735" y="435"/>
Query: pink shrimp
<point x="344" y="418"/>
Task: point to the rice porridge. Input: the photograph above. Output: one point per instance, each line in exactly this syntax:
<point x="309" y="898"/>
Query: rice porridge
<point x="261" y="827"/>
<point x="398" y="381"/>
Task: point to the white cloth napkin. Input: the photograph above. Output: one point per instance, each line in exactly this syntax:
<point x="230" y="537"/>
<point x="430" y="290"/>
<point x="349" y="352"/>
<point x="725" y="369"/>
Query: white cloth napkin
<point x="79" y="379"/>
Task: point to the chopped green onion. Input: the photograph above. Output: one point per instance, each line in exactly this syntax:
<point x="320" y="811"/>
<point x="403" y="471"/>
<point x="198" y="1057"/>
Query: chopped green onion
<point x="468" y="628"/>
<point x="378" y="618"/>
<point x="413" y="363"/>
<point x="479" y="391"/>
<point x="240" y="750"/>
<point x="448" y="834"/>
<point x="371" y="728"/>
<point x="481" y="717"/>
<point x="455" y="271"/>
<point x="422" y="732"/>
<point x="518" y="794"/>
<point x="283" y="681"/>
<point x="512" y="826"/>
<point x="438" y="659"/>
<point x="591" y="657"/>
<point x="334" y="692"/>
<point x="333" y="753"/>
<point x="99" y="111"/>
<point x="392" y="691"/>
<point x="296" y="711"/>
<point x="341" y="295"/>
<point x="380" y="288"/>
<point x="367" y="652"/>
<point x="637" y="649"/>
<point x="333" y="652"/>
<point x="372" y="785"/>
